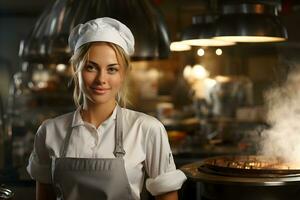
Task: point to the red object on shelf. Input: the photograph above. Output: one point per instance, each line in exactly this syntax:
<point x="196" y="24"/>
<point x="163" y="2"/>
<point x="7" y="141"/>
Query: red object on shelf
<point x="287" y="6"/>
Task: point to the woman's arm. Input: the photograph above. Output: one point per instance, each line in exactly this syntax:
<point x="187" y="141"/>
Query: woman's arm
<point x="167" y="196"/>
<point x="44" y="191"/>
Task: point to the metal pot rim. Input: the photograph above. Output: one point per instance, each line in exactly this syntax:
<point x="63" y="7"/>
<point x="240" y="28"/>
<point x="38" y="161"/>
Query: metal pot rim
<point x="198" y="171"/>
<point x="5" y="193"/>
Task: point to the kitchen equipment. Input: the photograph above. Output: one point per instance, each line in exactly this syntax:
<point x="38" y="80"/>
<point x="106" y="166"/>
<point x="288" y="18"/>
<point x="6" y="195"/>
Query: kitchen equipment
<point x="5" y="193"/>
<point x="229" y="93"/>
<point x="201" y="31"/>
<point x="48" y="40"/>
<point x="36" y="92"/>
<point x="250" y="21"/>
<point x="245" y="177"/>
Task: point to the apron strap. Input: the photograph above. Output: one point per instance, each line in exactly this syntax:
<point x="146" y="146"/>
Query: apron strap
<point x="65" y="145"/>
<point x="119" y="150"/>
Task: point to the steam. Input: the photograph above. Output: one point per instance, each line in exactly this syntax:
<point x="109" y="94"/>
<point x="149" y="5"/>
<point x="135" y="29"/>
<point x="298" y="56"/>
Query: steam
<point x="282" y="140"/>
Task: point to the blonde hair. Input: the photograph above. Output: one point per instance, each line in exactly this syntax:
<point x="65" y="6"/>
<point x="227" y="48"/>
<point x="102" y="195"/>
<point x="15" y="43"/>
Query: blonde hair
<point x="78" y="61"/>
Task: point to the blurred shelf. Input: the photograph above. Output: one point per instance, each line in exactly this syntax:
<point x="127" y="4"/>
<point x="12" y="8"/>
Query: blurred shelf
<point x="171" y="124"/>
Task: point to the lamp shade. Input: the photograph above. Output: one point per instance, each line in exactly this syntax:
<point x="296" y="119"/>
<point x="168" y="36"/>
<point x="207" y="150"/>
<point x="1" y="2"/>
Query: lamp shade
<point x="201" y="31"/>
<point x="48" y="40"/>
<point x="250" y="22"/>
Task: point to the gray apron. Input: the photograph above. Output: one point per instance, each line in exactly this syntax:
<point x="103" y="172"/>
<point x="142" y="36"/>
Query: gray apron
<point x="92" y="178"/>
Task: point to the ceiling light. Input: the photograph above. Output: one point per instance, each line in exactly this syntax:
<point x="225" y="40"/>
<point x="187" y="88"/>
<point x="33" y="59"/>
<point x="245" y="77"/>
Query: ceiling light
<point x="219" y="51"/>
<point x="201" y="31"/>
<point x="250" y="22"/>
<point x="48" y="41"/>
<point x="200" y="52"/>
<point x="179" y="46"/>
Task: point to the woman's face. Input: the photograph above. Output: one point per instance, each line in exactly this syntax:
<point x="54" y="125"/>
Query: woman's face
<point x="102" y="76"/>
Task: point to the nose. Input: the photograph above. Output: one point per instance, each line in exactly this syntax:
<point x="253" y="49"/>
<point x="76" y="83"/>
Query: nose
<point x="101" y="77"/>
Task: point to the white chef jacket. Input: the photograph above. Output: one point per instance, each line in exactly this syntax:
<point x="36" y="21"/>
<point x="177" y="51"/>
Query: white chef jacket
<point x="145" y="143"/>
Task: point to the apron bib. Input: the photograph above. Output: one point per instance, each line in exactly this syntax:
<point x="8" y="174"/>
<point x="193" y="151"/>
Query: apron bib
<point x="92" y="178"/>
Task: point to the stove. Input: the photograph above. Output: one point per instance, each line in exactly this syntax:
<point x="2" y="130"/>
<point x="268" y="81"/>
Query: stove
<point x="245" y="177"/>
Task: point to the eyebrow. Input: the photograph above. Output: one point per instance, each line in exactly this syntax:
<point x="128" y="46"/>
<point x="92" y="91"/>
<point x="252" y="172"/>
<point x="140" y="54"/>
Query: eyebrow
<point x="94" y="63"/>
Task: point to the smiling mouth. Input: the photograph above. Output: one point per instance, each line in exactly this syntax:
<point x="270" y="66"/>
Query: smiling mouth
<point x="100" y="90"/>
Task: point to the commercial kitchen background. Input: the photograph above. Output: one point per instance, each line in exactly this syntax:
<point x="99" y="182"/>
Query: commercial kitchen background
<point x="160" y="84"/>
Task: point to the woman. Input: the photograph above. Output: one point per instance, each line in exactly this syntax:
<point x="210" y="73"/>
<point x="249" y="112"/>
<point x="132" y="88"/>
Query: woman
<point x="102" y="151"/>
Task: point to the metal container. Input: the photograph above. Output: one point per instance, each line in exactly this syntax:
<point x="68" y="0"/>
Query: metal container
<point x="5" y="193"/>
<point x="244" y="177"/>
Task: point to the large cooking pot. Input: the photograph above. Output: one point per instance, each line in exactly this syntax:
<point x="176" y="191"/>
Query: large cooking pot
<point x="5" y="193"/>
<point x="245" y="178"/>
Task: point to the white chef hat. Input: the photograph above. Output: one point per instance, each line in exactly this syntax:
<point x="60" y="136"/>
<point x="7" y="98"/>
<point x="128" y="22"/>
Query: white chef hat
<point x="102" y="29"/>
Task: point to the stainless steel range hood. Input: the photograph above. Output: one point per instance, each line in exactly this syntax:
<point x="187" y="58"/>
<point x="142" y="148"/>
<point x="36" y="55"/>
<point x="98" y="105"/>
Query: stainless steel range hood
<point x="47" y="42"/>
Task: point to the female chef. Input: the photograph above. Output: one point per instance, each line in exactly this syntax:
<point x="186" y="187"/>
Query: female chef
<point x="102" y="150"/>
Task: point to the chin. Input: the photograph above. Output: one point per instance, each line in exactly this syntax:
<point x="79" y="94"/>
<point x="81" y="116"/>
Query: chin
<point x="98" y="101"/>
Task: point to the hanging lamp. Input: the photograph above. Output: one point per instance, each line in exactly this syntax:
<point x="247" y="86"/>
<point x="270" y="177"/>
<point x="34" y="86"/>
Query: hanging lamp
<point x="201" y="31"/>
<point x="179" y="46"/>
<point x="48" y="41"/>
<point x="250" y="21"/>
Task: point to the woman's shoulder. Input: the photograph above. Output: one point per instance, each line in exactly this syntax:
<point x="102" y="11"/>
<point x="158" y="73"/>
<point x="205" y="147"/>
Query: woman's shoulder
<point x="140" y="118"/>
<point x="58" y="121"/>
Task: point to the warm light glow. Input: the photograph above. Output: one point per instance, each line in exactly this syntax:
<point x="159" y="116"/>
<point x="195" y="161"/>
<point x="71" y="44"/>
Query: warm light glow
<point x="187" y="71"/>
<point x="199" y="72"/>
<point x="250" y="39"/>
<point x="222" y="78"/>
<point x="42" y="84"/>
<point x="179" y="46"/>
<point x="219" y="51"/>
<point x="200" y="52"/>
<point x="153" y="74"/>
<point x="207" y="42"/>
<point x="61" y="67"/>
<point x="210" y="82"/>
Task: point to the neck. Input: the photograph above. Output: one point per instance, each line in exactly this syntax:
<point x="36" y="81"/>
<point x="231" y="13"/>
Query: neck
<point x="97" y="113"/>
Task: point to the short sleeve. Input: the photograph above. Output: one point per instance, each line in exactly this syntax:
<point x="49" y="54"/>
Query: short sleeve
<point x="39" y="165"/>
<point x="159" y="163"/>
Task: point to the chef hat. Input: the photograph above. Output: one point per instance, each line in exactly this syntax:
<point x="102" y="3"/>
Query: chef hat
<point x="102" y="29"/>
